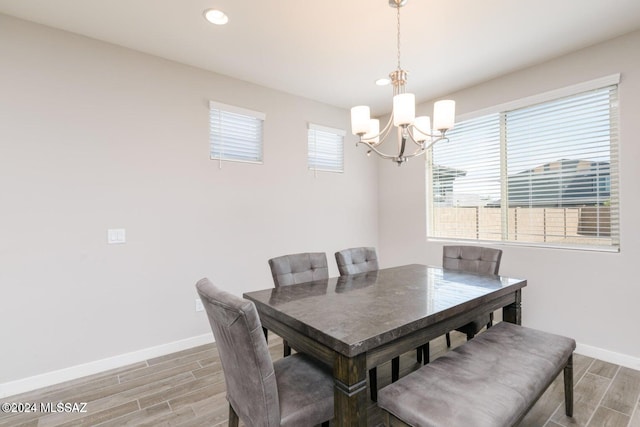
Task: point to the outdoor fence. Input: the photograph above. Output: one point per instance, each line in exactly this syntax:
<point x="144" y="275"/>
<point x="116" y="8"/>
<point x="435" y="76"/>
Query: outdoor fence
<point x="590" y="224"/>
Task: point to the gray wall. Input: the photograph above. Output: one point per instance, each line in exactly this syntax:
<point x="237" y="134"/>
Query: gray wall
<point x="94" y="136"/>
<point x="591" y="296"/>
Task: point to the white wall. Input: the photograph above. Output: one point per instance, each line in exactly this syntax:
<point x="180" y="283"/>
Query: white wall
<point x="94" y="136"/>
<point x="591" y="296"/>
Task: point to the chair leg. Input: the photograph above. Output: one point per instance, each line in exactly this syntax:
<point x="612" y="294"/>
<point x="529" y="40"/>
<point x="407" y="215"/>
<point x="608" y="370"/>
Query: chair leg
<point x="287" y="349"/>
<point x="568" y="387"/>
<point x="266" y="333"/>
<point x="233" y="417"/>
<point x="373" y="383"/>
<point x="425" y="353"/>
<point x="419" y="354"/>
<point x="448" y="337"/>
<point x="395" y="369"/>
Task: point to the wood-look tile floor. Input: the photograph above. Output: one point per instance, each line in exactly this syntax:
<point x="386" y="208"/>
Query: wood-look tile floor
<point x="187" y="389"/>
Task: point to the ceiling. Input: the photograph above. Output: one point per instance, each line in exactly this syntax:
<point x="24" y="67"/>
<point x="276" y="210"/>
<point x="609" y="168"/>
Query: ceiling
<point x="333" y="51"/>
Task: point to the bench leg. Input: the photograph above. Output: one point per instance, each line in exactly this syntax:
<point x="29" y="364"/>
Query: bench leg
<point x="568" y="387"/>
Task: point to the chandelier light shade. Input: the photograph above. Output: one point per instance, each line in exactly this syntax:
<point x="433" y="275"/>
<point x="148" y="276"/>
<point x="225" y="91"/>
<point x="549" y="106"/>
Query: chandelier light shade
<point x="416" y="130"/>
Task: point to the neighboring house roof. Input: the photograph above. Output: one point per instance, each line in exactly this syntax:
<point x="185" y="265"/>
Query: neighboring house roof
<point x="565" y="182"/>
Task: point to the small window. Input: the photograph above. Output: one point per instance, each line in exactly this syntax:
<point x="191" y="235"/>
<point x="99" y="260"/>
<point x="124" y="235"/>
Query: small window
<point x="326" y="148"/>
<point x="235" y="133"/>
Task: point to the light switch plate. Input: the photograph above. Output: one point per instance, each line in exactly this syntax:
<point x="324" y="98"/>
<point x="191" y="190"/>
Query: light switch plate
<point x="116" y="236"/>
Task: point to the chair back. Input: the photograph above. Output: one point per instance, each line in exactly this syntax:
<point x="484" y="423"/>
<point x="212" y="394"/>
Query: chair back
<point x="248" y="370"/>
<point x="299" y="268"/>
<point x="357" y="260"/>
<point x="473" y="259"/>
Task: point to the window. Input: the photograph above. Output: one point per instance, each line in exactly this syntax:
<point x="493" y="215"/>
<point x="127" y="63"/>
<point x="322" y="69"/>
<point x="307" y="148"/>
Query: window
<point x="235" y="133"/>
<point x="326" y="148"/>
<point x="541" y="173"/>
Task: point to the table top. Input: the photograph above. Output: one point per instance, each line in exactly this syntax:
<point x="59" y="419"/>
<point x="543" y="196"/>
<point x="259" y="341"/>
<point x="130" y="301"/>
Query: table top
<point x="352" y="314"/>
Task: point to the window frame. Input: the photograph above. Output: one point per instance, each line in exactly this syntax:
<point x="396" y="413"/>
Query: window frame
<point x="312" y="127"/>
<point x="502" y="110"/>
<point x="232" y="109"/>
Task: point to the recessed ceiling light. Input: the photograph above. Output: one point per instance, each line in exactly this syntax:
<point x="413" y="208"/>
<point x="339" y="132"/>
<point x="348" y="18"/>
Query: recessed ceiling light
<point x="383" y="82"/>
<point x="215" y="16"/>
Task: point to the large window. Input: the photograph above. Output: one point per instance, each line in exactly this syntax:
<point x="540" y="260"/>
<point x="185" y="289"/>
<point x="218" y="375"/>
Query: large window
<point x="325" y="148"/>
<point x="235" y="133"/>
<point x="544" y="173"/>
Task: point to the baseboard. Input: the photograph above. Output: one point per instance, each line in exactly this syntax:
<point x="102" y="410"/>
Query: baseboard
<point x="609" y="356"/>
<point x="79" y="371"/>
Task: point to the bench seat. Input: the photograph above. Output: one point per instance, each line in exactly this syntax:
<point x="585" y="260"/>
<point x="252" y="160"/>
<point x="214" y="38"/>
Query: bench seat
<point x="492" y="380"/>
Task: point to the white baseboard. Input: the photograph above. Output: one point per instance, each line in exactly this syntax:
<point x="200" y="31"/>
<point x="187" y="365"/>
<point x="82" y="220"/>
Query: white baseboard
<point x="74" y="372"/>
<point x="78" y="371"/>
<point x="609" y="356"/>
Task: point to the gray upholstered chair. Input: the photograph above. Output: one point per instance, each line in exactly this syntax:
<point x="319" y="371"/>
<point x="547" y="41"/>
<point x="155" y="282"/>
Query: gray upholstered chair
<point x="293" y="391"/>
<point x="362" y="260"/>
<point x="357" y="260"/>
<point x="298" y="268"/>
<point x="472" y="259"/>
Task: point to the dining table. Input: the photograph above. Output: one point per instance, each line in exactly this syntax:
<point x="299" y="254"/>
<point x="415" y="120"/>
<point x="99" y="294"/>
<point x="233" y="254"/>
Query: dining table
<point x="356" y="322"/>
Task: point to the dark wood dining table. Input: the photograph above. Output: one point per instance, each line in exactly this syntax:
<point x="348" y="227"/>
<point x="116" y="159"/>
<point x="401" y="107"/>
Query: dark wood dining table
<point x="354" y="323"/>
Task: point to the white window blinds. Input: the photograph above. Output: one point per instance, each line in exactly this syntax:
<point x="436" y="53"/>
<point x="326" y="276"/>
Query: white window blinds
<point x="325" y="148"/>
<point x="235" y="133"/>
<point x="545" y="174"/>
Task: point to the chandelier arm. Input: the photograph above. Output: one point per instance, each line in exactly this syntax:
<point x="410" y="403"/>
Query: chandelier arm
<point x="438" y="137"/>
<point x="442" y="137"/>
<point x="380" y="153"/>
<point x="416" y="153"/>
<point x="419" y="144"/>
<point x="429" y="132"/>
<point x="382" y="134"/>
<point x="385" y="132"/>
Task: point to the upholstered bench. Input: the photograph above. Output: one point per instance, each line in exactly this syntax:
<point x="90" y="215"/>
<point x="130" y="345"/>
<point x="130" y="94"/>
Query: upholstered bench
<point x="490" y="381"/>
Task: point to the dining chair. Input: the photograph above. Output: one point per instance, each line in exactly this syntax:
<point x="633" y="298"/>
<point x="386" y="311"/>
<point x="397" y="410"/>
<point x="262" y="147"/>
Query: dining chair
<point x="363" y="260"/>
<point x="292" y="269"/>
<point x="293" y="391"/>
<point x="357" y="260"/>
<point x="472" y="259"/>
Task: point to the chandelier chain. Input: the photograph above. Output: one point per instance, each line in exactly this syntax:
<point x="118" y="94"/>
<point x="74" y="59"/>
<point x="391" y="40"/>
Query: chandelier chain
<point x="398" y="36"/>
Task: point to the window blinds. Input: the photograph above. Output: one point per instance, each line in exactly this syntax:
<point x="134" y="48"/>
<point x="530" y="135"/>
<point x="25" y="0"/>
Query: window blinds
<point x="235" y="133"/>
<point x="325" y="148"/>
<point x="544" y="174"/>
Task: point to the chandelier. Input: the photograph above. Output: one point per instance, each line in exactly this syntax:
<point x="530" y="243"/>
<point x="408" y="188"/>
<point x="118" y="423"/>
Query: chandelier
<point x="412" y="129"/>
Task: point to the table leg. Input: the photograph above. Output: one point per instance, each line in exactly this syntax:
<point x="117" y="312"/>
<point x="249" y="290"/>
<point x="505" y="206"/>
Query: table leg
<point x="350" y="390"/>
<point x="512" y="313"/>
